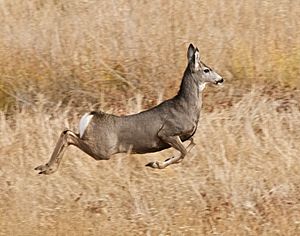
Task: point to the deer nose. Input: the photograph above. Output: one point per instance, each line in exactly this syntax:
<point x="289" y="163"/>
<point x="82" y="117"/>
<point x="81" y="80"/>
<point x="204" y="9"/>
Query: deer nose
<point x="220" y="81"/>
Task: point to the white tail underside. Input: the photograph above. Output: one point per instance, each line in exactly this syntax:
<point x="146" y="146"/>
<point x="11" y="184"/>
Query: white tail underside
<point x="84" y="122"/>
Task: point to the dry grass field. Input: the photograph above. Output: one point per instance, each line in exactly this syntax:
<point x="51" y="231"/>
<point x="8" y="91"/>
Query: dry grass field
<point x="59" y="59"/>
<point x="243" y="178"/>
<point x="66" y="48"/>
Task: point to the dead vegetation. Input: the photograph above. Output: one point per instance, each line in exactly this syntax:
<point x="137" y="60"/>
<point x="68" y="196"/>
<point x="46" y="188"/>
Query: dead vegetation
<point x="60" y="58"/>
<point x="67" y="49"/>
<point x="241" y="179"/>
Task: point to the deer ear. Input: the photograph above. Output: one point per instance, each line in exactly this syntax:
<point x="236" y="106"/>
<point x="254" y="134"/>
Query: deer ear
<point x="196" y="59"/>
<point x="190" y="52"/>
<point x="197" y="55"/>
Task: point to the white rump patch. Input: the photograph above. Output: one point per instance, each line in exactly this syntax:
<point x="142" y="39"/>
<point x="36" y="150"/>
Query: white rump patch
<point x="84" y="122"/>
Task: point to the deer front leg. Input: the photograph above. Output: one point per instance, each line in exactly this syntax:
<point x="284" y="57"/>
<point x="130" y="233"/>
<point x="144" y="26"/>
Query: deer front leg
<point x="176" y="143"/>
<point x="188" y="149"/>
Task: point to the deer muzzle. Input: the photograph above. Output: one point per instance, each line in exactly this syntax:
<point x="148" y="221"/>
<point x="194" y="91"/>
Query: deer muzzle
<point x="220" y="81"/>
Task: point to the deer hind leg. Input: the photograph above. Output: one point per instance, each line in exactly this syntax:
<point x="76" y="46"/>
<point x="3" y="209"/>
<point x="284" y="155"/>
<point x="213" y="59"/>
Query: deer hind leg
<point x="63" y="142"/>
<point x="66" y="138"/>
<point x="176" y="143"/>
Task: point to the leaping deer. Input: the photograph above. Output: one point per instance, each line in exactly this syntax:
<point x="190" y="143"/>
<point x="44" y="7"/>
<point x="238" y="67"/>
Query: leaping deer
<point x="166" y="125"/>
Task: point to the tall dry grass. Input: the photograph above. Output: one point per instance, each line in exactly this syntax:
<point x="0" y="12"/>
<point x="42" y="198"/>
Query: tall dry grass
<point x="58" y="58"/>
<point x="66" y="48"/>
<point x="243" y="177"/>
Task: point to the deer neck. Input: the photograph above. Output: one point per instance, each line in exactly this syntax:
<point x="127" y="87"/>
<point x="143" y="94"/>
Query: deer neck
<point x="190" y="91"/>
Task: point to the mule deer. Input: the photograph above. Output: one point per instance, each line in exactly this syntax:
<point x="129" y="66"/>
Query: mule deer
<point x="167" y="125"/>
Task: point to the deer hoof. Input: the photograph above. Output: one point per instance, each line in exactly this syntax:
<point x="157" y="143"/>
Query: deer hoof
<point x="45" y="169"/>
<point x="154" y="164"/>
<point x="42" y="167"/>
<point x="47" y="172"/>
<point x="168" y="159"/>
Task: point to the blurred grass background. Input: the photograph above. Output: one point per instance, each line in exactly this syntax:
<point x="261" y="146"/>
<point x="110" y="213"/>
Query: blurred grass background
<point x="61" y="58"/>
<point x="69" y="49"/>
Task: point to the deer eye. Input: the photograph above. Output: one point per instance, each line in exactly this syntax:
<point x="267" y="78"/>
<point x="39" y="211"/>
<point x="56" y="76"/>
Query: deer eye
<point x="206" y="70"/>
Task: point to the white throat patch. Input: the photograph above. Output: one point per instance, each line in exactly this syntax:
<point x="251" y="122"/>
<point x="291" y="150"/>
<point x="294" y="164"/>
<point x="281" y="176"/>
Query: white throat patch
<point x="202" y="87"/>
